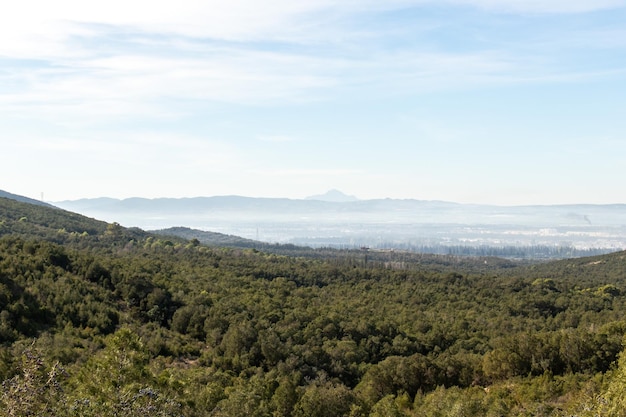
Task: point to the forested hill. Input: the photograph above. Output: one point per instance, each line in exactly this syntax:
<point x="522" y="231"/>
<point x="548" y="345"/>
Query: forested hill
<point x="51" y="223"/>
<point x="99" y="320"/>
<point x="210" y="238"/>
<point x="30" y="219"/>
<point x="5" y="194"/>
<point x="582" y="271"/>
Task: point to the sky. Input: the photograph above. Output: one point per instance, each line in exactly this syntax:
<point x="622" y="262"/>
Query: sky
<point x="507" y="102"/>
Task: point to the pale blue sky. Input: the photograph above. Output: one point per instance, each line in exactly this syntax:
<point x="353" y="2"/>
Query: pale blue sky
<point x="478" y="101"/>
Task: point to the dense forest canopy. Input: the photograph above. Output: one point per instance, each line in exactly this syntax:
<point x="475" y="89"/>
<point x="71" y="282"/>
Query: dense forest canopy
<point x="98" y="320"/>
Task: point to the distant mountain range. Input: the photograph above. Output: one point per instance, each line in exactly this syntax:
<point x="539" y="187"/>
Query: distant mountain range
<point x="338" y="207"/>
<point x="339" y="220"/>
<point x="411" y="225"/>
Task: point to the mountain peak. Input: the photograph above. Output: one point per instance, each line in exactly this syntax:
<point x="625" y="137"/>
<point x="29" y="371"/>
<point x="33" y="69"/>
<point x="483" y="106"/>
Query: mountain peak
<point x="334" y="196"/>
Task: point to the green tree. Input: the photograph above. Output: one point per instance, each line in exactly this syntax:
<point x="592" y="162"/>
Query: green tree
<point x="324" y="399"/>
<point x="612" y="401"/>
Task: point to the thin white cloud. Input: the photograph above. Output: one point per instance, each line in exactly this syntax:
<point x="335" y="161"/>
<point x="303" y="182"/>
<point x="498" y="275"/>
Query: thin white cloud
<point x="40" y="27"/>
<point x="35" y="25"/>
<point x="131" y="84"/>
<point x="243" y="75"/>
<point x="125" y="85"/>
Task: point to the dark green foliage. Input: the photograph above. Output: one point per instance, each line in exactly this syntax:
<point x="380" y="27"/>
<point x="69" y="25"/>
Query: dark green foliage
<point x="141" y="322"/>
<point x="324" y="399"/>
<point x="398" y="374"/>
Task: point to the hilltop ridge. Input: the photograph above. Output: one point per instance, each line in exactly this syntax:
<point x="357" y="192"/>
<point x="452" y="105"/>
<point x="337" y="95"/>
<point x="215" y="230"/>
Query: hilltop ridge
<point x="23" y="199"/>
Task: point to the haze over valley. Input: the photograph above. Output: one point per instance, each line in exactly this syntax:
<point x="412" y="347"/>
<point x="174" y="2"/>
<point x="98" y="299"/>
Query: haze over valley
<point x="335" y="219"/>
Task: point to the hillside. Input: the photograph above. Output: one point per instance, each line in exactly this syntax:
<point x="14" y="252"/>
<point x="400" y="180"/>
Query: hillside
<point x="34" y="220"/>
<point x="209" y="238"/>
<point x="5" y="194"/>
<point x="57" y="225"/>
<point x="406" y="260"/>
<point x="100" y="320"/>
<point x="582" y="271"/>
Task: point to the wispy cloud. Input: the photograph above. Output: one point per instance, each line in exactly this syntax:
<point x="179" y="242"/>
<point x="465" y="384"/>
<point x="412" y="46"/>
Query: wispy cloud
<point x="133" y="82"/>
<point x="240" y="51"/>
<point x="45" y="28"/>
